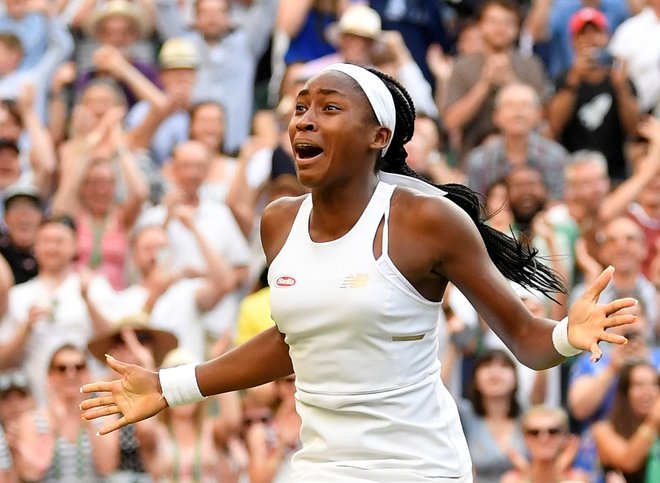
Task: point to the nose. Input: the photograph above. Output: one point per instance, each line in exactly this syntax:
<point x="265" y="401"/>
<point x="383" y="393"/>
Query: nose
<point x="306" y="122"/>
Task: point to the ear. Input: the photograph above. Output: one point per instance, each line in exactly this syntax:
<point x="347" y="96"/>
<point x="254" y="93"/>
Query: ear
<point x="380" y="138"/>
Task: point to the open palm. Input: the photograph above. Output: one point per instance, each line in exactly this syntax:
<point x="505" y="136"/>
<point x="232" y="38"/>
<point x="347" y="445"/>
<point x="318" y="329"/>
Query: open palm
<point x="136" y="396"/>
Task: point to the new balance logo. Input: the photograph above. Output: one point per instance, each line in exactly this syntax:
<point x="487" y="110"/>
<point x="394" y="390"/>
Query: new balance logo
<point x="358" y="280"/>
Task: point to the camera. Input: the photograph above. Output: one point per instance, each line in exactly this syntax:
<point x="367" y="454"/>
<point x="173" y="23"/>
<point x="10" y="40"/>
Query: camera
<point x="602" y="58"/>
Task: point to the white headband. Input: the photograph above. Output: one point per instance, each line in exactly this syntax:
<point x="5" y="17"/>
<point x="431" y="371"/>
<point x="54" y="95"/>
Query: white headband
<point x="376" y="91"/>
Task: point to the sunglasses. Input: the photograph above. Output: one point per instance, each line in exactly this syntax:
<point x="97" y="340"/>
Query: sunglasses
<point x="64" y="368"/>
<point x="536" y="432"/>
<point x="142" y="337"/>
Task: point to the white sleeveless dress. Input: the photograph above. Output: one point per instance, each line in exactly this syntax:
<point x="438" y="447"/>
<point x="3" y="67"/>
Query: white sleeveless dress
<point x="364" y="350"/>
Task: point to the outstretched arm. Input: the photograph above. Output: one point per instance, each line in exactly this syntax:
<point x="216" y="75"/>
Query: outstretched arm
<point x="137" y="395"/>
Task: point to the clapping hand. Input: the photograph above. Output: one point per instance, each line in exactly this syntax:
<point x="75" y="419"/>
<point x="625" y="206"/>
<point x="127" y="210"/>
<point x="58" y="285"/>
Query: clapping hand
<point x="588" y="320"/>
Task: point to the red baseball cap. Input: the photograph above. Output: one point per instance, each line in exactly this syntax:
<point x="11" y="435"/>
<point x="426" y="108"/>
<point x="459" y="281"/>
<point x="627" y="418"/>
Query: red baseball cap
<point x="584" y="16"/>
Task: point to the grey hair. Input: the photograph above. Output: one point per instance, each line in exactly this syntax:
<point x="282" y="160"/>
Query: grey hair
<point x="585" y="156"/>
<point x="517" y="85"/>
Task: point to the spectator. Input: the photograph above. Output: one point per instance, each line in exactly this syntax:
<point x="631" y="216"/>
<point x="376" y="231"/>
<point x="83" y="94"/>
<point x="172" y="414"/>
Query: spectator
<point x="627" y="441"/>
<point x="548" y="25"/>
<point x="595" y="106"/>
<point x="30" y="24"/>
<point x="118" y="24"/>
<point x="517" y="115"/>
<point x="51" y="309"/>
<point x="188" y="169"/>
<point x="10" y="168"/>
<point x="54" y="443"/>
<point x="13" y="76"/>
<point x="133" y="340"/>
<point x="551" y="448"/>
<point x="229" y="60"/>
<point x="491" y="419"/>
<point x="187" y="440"/>
<point x="88" y="193"/>
<point x="476" y="78"/>
<point x="178" y="62"/>
<point x="591" y="387"/>
<point x="23" y="215"/>
<point x="637" y="41"/>
<point x="15" y="400"/>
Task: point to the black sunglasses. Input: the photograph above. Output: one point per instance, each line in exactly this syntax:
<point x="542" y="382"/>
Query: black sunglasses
<point x="63" y="368"/>
<point x="536" y="432"/>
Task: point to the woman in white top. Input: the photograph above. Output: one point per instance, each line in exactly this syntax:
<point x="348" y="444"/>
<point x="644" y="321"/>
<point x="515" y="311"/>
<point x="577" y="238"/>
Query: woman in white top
<point x="357" y="272"/>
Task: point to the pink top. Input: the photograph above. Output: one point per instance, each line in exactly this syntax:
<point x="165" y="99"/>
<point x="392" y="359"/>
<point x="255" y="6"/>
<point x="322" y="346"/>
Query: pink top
<point x="106" y="255"/>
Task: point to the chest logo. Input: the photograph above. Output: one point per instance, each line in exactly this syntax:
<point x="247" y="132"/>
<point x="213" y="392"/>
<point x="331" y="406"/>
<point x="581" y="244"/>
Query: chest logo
<point x="355" y="280"/>
<point x="285" y="281"/>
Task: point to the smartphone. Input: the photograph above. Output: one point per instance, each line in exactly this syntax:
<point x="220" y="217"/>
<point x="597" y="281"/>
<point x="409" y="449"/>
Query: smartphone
<point x="602" y="58"/>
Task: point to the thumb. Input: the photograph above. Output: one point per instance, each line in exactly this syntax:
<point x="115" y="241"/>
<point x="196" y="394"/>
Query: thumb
<point x="118" y="366"/>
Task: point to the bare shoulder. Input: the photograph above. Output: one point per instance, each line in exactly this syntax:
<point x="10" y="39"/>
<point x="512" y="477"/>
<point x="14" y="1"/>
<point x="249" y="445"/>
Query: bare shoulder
<point x="276" y="223"/>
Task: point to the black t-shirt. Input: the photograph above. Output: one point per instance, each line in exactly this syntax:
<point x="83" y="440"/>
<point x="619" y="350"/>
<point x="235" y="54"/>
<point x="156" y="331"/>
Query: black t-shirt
<point x="22" y="262"/>
<point x="595" y="124"/>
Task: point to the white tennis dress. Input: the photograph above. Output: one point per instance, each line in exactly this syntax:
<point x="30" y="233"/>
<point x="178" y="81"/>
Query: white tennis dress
<point x="364" y="350"/>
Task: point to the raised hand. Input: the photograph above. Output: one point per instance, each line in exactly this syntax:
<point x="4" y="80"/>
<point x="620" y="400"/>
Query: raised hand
<point x="587" y="319"/>
<point x="136" y="396"/>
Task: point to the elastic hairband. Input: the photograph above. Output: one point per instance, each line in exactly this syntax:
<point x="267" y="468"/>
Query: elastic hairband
<point x="376" y="91"/>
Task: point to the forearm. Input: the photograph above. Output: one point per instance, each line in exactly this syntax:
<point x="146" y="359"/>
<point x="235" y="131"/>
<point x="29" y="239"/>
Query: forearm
<point x="538" y="19"/>
<point x="136" y="186"/>
<point x="42" y="152"/>
<point x="560" y="110"/>
<point x="291" y="16"/>
<point x="262" y="359"/>
<point x="628" y="110"/>
<point x="461" y="112"/>
<point x="587" y="394"/>
<point x="57" y="116"/>
<point x="141" y="86"/>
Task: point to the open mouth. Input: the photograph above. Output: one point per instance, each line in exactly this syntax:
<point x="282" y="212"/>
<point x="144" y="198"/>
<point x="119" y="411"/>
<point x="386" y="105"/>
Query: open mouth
<point x="306" y="150"/>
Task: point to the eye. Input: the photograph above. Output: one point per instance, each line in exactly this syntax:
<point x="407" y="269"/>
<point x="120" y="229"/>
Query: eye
<point x="331" y="107"/>
<point x="300" y="108"/>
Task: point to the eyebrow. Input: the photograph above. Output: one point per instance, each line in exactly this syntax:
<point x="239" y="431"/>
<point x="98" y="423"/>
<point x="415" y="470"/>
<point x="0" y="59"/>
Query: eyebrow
<point x="323" y="91"/>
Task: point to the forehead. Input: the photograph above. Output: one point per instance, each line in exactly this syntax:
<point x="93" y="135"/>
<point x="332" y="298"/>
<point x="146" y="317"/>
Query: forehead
<point x="329" y="82"/>
<point x="623" y="227"/>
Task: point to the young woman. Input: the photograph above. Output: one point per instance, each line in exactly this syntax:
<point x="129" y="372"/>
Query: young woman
<point x="356" y="283"/>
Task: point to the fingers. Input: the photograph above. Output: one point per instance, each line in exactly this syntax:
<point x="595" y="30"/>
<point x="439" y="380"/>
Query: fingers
<point x="96" y="402"/>
<point x="113" y="425"/>
<point x="104" y="386"/>
<point x="118" y="366"/>
<point x="614" y="338"/>
<point x="100" y="412"/>
<point x="618" y="304"/>
<point x="599" y="284"/>
<point x="617" y="320"/>
<point x="596" y="353"/>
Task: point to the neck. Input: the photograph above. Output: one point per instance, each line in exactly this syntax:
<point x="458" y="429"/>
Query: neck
<point x="515" y="146"/>
<point x="497" y="407"/>
<point x="625" y="281"/>
<point x="491" y="50"/>
<point x="543" y="470"/>
<point x="54" y="276"/>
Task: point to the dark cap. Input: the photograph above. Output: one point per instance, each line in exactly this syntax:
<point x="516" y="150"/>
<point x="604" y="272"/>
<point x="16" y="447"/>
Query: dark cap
<point x="14" y="380"/>
<point x="18" y="190"/>
<point x="9" y="143"/>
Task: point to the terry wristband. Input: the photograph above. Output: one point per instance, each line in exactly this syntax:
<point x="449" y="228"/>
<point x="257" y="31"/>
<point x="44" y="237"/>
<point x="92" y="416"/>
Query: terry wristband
<point x="560" y="339"/>
<point x="179" y="385"/>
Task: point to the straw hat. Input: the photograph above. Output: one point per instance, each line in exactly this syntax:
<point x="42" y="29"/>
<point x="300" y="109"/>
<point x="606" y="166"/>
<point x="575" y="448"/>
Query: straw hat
<point x="178" y="357"/>
<point x="358" y="19"/>
<point x="162" y="341"/>
<point x="178" y="53"/>
<point x="120" y="8"/>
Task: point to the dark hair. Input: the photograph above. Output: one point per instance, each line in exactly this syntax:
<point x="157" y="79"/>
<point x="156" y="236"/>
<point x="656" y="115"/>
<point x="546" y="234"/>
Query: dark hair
<point x="509" y="5"/>
<point x="623" y="418"/>
<point x="11" y="41"/>
<point x="64" y="220"/>
<point x="515" y="259"/>
<point x="12" y="109"/>
<point x="474" y="394"/>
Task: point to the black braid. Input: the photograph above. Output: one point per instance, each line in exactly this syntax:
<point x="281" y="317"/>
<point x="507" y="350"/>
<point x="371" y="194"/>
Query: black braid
<point x="515" y="259"/>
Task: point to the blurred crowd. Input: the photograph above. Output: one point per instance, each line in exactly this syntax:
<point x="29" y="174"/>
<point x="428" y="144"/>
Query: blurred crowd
<point x="140" y="141"/>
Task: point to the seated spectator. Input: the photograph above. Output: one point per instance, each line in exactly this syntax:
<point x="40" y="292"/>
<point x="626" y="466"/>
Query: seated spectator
<point x="186" y="440"/>
<point x="491" y="418"/>
<point x="517" y="115"/>
<point x="627" y="441"/>
<point x="88" y="194"/>
<point x="637" y="42"/>
<point x="23" y="215"/>
<point x="550" y="446"/>
<point x="175" y="299"/>
<point x="475" y="78"/>
<point x="595" y="107"/>
<point x="51" y="309"/>
<point x="132" y="340"/>
<point x="55" y="443"/>
<point x="591" y="387"/>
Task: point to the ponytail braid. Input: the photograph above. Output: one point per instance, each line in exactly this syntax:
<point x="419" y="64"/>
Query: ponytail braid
<point x="516" y="260"/>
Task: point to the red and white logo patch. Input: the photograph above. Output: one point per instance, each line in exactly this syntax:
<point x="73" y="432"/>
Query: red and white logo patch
<point x="285" y="281"/>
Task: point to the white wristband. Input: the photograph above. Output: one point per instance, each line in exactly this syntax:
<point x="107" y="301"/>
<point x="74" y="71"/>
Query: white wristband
<point x="179" y="385"/>
<point x="560" y="339"/>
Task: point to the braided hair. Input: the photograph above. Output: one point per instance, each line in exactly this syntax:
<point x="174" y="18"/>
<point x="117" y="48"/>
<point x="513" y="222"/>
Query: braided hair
<point x="515" y="259"/>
